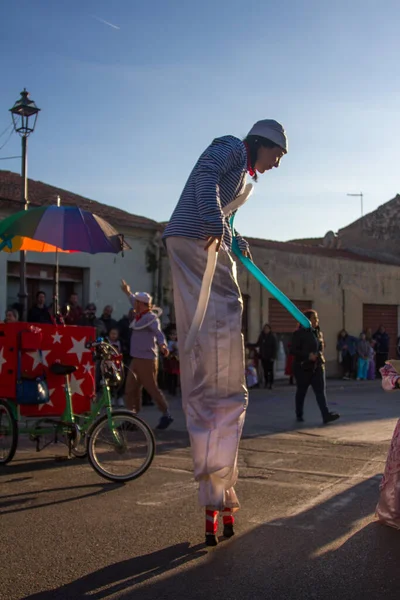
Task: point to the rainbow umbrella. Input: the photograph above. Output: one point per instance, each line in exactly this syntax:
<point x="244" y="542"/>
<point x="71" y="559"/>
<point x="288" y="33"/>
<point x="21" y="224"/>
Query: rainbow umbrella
<point x="18" y="243"/>
<point x="59" y="229"/>
<point x="67" y="228"/>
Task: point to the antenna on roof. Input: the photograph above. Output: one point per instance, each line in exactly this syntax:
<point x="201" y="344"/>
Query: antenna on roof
<point x="361" y="196"/>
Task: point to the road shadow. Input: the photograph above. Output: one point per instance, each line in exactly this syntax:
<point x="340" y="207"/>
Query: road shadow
<point x="21" y="502"/>
<point x="166" y="441"/>
<point x="117" y="578"/>
<point x="171" y="440"/>
<point x="15" y="480"/>
<point x="31" y="465"/>
<point x="323" y="553"/>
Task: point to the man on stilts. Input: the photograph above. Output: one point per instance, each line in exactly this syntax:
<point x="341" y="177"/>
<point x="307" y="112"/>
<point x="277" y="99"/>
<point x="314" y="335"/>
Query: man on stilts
<point x="214" y="393"/>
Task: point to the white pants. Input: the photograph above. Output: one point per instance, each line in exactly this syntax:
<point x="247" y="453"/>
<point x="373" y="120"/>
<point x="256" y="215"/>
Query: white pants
<point x="214" y="392"/>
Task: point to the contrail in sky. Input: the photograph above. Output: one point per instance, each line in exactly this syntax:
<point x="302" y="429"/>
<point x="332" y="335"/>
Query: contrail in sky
<point x="106" y="22"/>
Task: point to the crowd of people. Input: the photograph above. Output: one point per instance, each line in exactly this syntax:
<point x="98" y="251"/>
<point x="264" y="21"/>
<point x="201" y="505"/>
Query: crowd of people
<point x="362" y="358"/>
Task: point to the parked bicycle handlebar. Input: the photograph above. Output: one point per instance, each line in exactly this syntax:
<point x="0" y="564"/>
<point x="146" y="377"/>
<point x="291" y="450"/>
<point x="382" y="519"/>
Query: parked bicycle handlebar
<point x="100" y="343"/>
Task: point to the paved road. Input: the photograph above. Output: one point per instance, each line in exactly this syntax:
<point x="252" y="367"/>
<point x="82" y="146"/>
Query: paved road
<point x="306" y="529"/>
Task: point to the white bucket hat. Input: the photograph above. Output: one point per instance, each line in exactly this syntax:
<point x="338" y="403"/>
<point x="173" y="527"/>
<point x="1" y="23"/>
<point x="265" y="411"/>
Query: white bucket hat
<point x="271" y="130"/>
<point x="143" y="297"/>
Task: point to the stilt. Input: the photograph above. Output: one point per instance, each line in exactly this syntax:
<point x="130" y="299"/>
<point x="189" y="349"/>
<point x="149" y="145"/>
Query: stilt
<point x="211" y="527"/>
<point x="228" y="521"/>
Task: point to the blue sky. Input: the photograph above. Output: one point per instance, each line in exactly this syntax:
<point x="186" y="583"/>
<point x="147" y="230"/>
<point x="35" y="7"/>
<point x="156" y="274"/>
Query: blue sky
<point x="126" y="112"/>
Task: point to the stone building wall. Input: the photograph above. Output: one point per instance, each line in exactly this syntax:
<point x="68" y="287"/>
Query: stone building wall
<point x="376" y="234"/>
<point x="337" y="288"/>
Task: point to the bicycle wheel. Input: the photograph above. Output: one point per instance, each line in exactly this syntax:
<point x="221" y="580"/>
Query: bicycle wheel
<point x="8" y="433"/>
<point x="123" y="452"/>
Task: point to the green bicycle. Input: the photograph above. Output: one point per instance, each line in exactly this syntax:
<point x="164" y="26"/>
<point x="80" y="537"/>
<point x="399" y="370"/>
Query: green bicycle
<point x="120" y="446"/>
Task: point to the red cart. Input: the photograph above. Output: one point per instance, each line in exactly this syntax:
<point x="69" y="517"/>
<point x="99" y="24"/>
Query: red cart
<point x="47" y="377"/>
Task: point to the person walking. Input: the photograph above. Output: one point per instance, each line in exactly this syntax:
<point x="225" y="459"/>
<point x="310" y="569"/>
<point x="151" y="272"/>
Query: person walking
<point x="214" y="394"/>
<point x="142" y="373"/>
<point x="309" y="367"/>
<point x="268" y="347"/>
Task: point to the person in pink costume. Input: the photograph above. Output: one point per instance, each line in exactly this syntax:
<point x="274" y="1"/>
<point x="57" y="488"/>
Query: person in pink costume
<point x="388" y="508"/>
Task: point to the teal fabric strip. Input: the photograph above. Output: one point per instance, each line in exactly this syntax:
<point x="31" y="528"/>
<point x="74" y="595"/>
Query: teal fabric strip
<point x="267" y="283"/>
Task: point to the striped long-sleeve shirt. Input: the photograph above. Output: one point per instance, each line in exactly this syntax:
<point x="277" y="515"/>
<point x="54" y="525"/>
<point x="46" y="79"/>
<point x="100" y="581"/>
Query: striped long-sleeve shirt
<point x="217" y="178"/>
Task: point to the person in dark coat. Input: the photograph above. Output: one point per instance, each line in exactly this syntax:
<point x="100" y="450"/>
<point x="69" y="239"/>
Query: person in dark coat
<point x="382" y="342"/>
<point x="268" y="348"/>
<point x="40" y="313"/>
<point x="106" y="317"/>
<point x="125" y="334"/>
<point x="89" y="319"/>
<point x="309" y="367"/>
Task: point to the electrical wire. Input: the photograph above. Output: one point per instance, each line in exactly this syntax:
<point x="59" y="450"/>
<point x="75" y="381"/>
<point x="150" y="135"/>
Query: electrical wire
<point x="6" y="129"/>
<point x="8" y="139"/>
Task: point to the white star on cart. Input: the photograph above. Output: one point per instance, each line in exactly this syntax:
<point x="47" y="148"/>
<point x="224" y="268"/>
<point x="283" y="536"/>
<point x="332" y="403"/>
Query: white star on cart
<point x="39" y="358"/>
<point x="76" y="385"/>
<point x="49" y="403"/>
<point x="88" y="367"/>
<point x="78" y="348"/>
<point x="57" y="337"/>
<point x="2" y="359"/>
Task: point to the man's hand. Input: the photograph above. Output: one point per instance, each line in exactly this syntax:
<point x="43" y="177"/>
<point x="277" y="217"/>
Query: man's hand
<point x="125" y="287"/>
<point x="212" y="239"/>
<point x="312" y="356"/>
<point x="164" y="350"/>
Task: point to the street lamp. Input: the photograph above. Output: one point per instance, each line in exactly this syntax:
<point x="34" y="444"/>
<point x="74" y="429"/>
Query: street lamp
<point x="24" y="115"/>
<point x="361" y="196"/>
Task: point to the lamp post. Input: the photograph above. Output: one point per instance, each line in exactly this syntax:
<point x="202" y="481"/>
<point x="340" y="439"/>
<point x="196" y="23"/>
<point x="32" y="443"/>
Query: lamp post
<point x="24" y="115"/>
<point x="361" y="196"/>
